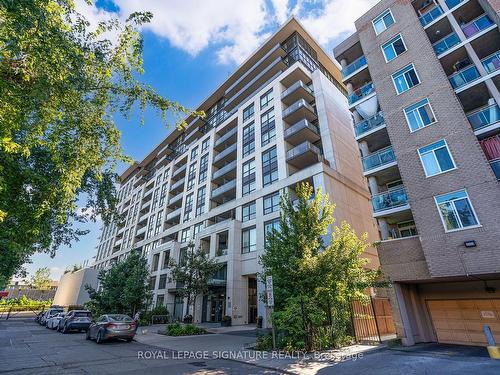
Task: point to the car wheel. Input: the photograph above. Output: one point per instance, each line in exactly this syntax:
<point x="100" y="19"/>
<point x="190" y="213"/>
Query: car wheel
<point x="129" y="339"/>
<point x="98" y="338"/>
<point x="87" y="335"/>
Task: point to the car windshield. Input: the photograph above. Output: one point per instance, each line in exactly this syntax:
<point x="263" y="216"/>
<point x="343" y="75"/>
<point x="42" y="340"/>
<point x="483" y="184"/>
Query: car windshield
<point x="120" y="318"/>
<point x="81" y="314"/>
<point x="54" y="312"/>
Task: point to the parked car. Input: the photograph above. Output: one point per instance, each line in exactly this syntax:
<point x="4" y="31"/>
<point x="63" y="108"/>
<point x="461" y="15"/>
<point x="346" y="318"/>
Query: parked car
<point x="112" y="326"/>
<point x="53" y="311"/>
<point x="75" y="320"/>
<point x="53" y="322"/>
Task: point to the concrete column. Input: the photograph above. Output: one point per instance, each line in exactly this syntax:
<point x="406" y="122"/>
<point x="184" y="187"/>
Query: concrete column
<point x="363" y="146"/>
<point x="357" y="116"/>
<point x="384" y="229"/>
<point x="407" y="338"/>
<point x="349" y="88"/>
<point x="343" y="63"/>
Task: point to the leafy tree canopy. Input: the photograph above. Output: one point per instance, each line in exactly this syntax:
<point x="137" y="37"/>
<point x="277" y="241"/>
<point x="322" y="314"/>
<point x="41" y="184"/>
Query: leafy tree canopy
<point x="61" y="82"/>
<point x="41" y="279"/>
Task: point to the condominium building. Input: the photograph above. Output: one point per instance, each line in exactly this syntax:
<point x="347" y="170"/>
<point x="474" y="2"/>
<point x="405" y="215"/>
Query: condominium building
<point x="423" y="83"/>
<point x="281" y="118"/>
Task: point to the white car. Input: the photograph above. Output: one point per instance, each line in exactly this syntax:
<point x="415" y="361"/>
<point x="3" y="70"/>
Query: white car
<point x="53" y="311"/>
<point x="53" y="322"/>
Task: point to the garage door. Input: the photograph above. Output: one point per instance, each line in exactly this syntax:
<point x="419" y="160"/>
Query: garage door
<point x="462" y="321"/>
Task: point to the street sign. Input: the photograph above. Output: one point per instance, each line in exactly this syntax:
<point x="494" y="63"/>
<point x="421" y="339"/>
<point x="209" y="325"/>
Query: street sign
<point x="269" y="291"/>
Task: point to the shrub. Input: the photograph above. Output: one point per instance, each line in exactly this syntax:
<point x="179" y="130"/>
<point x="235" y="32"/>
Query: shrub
<point x="145" y="317"/>
<point x="188" y="319"/>
<point x="264" y="342"/>
<point x="177" y="329"/>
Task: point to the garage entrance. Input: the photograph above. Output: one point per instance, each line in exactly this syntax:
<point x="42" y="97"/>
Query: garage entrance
<point x="461" y="321"/>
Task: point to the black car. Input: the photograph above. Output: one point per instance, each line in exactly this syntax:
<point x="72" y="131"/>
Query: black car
<point x="75" y="320"/>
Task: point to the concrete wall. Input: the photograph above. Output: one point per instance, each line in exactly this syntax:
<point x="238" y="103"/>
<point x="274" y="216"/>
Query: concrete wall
<point x="71" y="289"/>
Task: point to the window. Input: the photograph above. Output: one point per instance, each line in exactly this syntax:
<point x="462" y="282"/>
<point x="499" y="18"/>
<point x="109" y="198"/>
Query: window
<point x="271" y="203"/>
<point x="266" y="99"/>
<point x="197" y="228"/>
<point x="419" y="115"/>
<point x="185" y="235"/>
<point x="188" y="207"/>
<point x="405" y="79"/>
<point x="166" y="259"/>
<point x="456" y="210"/>
<point x="183" y="256"/>
<point x="203" y="169"/>
<point x="162" y="283"/>
<point x="166" y="174"/>
<point x="191" y="176"/>
<point x="152" y="282"/>
<point x="393" y="48"/>
<point x="200" y="201"/>
<point x="156" y="260"/>
<point x="407" y="229"/>
<point x="221" y="243"/>
<point x="163" y="194"/>
<point x="248" y="139"/>
<point x="158" y="179"/>
<point x="383" y="21"/>
<point x="194" y="153"/>
<point x="248" y="112"/>
<point x="248" y="177"/>
<point x="159" y="218"/>
<point x="248" y="211"/>
<point x="248" y="240"/>
<point x="151" y="226"/>
<point x="205" y="144"/>
<point x="155" y="199"/>
<point x="269" y="226"/>
<point x="269" y="166"/>
<point x="436" y="158"/>
<point x="267" y="127"/>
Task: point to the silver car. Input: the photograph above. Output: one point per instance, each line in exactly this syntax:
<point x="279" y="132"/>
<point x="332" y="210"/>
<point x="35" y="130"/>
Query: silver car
<point x="112" y="326"/>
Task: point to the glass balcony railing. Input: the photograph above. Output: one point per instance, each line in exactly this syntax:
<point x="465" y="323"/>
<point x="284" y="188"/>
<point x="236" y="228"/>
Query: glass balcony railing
<point x="476" y="25"/>
<point x="301" y="149"/>
<point x="495" y="165"/>
<point x="228" y="151"/>
<point x="484" y="117"/>
<point x="224" y="188"/>
<point x="225" y="169"/>
<point x="367" y="125"/>
<point x="452" y="3"/>
<point x="378" y="159"/>
<point x="430" y="16"/>
<point x="464" y="76"/>
<point x="390" y="199"/>
<point x="446" y="43"/>
<point x="361" y="92"/>
<point x="491" y="63"/>
<point x="355" y="65"/>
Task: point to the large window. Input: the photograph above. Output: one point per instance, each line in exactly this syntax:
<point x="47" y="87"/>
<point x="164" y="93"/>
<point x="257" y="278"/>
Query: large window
<point x="151" y="226"/>
<point x="200" y="201"/>
<point x="205" y="144"/>
<point x="436" y="158"/>
<point x="194" y="153"/>
<point x="203" y="169"/>
<point x="405" y="79"/>
<point x="270" y="226"/>
<point x="269" y="166"/>
<point x="185" y="235"/>
<point x="248" y="112"/>
<point x="163" y="194"/>
<point x="266" y="99"/>
<point x="419" y="115"/>
<point x="248" y="240"/>
<point x="188" y="207"/>
<point x="222" y="239"/>
<point x="248" y="177"/>
<point x="166" y="259"/>
<point x="271" y="203"/>
<point x="393" y="48"/>
<point x="156" y="261"/>
<point x="191" y="176"/>
<point x="456" y="210"/>
<point x="383" y="21"/>
<point x="267" y="127"/>
<point x="155" y="199"/>
<point x="248" y="139"/>
<point x="197" y="228"/>
<point x="162" y="284"/>
<point x="159" y="221"/>
<point x="248" y="211"/>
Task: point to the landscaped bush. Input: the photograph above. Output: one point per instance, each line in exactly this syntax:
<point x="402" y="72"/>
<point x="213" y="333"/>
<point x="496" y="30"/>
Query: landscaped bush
<point x="23" y="303"/>
<point x="177" y="329"/>
<point x="145" y="317"/>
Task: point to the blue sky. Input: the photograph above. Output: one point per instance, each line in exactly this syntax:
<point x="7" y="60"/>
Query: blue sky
<point x="190" y="47"/>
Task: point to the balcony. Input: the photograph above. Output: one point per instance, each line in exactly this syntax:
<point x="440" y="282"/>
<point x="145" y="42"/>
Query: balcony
<point x="298" y="111"/>
<point x="225" y="192"/>
<point x="453" y="3"/>
<point x="143" y="218"/>
<point x="379" y="160"/>
<point x="353" y="67"/>
<point x="229" y="137"/>
<point x="173" y="216"/>
<point x="491" y="63"/>
<point x="443" y="45"/>
<point x="302" y="130"/>
<point x="176" y="200"/>
<point x="361" y="92"/>
<point x="431" y="16"/>
<point x="484" y="117"/>
<point x="303" y="155"/>
<point x="299" y="90"/>
<point x="464" y="76"/>
<point x="141" y="231"/>
<point x="221" y="156"/>
<point x="369" y="125"/>
<point x="477" y="25"/>
<point x="225" y="171"/>
<point x="180" y="172"/>
<point x="495" y="165"/>
<point x="390" y="201"/>
<point x="179" y="185"/>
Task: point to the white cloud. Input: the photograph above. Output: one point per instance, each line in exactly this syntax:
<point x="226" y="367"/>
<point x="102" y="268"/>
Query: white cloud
<point x="281" y="10"/>
<point x="56" y="273"/>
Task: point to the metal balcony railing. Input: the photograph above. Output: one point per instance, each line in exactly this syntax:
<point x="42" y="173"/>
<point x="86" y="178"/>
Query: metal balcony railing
<point x="355" y="65"/>
<point x="378" y="159"/>
<point x="484" y="117"/>
<point x="431" y="15"/>
<point x="361" y="92"/>
<point x="226" y="152"/>
<point x="477" y="25"/>
<point x="491" y="63"/>
<point x="295" y="106"/>
<point x="444" y="44"/>
<point x="390" y="199"/>
<point x="464" y="76"/>
<point x="302" y="124"/>
<point x="369" y="124"/>
<point x="294" y="87"/>
<point x="225" y="169"/>
<point x="226" y="136"/>
<point x="300" y="149"/>
<point x="224" y="188"/>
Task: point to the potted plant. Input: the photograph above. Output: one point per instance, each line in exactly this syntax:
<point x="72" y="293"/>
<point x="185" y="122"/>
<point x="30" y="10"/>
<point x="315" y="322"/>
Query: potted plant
<point x="226" y="321"/>
<point x="259" y="321"/>
<point x="188" y="319"/>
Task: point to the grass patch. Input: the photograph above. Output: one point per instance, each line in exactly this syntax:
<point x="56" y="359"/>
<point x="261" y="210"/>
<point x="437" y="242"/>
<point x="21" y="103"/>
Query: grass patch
<point x="176" y="329"/>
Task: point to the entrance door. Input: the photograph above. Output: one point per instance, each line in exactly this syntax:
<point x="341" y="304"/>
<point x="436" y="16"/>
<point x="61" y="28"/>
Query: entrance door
<point x="252" y="300"/>
<point x="461" y="321"/>
<point x="216" y="309"/>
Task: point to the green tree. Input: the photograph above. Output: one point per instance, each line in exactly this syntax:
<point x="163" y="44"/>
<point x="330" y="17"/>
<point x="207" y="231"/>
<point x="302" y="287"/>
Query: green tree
<point x="194" y="272"/>
<point x="61" y="83"/>
<point x="123" y="288"/>
<point x="41" y="279"/>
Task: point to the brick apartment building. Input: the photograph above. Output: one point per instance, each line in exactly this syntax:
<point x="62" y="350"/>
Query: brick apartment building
<point x="423" y="82"/>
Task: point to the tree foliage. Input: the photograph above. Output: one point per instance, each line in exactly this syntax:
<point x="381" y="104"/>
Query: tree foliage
<point x="123" y="288"/>
<point x="61" y="82"/>
<point x="41" y="279"/>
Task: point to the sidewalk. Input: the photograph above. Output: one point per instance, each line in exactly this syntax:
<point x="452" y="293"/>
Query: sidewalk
<point x="233" y="343"/>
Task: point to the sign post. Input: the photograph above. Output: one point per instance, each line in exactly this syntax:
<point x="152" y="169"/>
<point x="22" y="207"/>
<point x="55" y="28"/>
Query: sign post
<point x="270" y="304"/>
